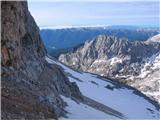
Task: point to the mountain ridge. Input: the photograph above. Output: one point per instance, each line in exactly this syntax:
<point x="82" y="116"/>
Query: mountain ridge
<point x="72" y="37"/>
<point x="112" y="57"/>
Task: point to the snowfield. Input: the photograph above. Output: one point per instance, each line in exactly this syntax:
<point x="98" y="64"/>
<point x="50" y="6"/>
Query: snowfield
<point x="113" y="95"/>
<point x="77" y="111"/>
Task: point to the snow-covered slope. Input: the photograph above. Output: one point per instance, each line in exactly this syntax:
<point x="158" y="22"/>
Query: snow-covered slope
<point x="83" y="111"/>
<point x="131" y="103"/>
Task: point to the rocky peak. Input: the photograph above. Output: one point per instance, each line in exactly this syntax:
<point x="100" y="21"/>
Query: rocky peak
<point x="31" y="87"/>
<point x="107" y="45"/>
<point x="110" y="46"/>
<point x="112" y="57"/>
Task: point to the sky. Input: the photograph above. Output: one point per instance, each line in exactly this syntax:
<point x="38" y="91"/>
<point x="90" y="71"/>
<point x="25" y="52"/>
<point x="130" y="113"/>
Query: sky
<point x="49" y="13"/>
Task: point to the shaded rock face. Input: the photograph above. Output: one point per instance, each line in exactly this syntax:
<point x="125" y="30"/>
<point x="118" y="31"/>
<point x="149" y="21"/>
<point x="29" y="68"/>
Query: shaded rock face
<point x="115" y="58"/>
<point x="31" y="87"/>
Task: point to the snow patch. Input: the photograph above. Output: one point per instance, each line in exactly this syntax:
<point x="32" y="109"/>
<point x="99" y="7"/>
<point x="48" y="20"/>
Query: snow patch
<point x="115" y="60"/>
<point x="100" y="61"/>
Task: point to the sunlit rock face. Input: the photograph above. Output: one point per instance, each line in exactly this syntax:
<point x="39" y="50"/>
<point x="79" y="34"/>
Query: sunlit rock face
<point x="117" y="58"/>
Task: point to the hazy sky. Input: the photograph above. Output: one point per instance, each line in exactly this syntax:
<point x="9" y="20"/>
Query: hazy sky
<point x="95" y="12"/>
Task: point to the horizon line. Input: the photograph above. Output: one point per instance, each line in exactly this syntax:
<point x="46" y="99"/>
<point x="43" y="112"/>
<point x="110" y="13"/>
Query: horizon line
<point x="94" y="26"/>
<point x="93" y="0"/>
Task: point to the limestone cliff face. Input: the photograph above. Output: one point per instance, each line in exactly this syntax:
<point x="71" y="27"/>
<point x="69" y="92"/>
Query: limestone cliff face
<point x="31" y="87"/>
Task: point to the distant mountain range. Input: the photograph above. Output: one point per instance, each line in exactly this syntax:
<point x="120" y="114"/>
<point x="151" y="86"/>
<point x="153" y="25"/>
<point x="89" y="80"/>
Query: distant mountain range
<point x="134" y="63"/>
<point x="61" y="40"/>
<point x="98" y="26"/>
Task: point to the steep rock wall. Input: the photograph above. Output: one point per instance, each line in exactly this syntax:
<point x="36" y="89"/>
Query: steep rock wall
<point x="31" y="87"/>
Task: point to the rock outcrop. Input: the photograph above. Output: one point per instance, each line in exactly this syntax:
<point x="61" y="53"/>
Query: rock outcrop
<point x="116" y="58"/>
<point x="31" y="87"/>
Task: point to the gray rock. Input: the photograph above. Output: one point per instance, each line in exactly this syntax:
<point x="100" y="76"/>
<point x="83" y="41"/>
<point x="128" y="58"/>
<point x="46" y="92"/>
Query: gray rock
<point x="31" y="87"/>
